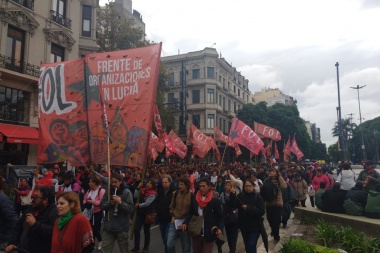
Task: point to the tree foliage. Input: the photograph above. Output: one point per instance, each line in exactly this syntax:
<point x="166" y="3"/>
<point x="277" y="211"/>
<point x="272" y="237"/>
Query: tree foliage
<point x="286" y="119"/>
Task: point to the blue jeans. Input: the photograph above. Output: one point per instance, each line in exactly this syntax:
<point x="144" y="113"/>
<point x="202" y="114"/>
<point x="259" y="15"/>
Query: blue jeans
<point x="164" y="229"/>
<point x="173" y="235"/>
<point x="250" y="241"/>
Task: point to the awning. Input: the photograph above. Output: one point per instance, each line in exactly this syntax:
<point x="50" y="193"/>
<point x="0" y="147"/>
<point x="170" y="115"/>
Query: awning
<point x="19" y="134"/>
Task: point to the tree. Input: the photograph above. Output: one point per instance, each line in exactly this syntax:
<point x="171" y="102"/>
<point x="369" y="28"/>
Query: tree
<point x="284" y="118"/>
<point x="116" y="32"/>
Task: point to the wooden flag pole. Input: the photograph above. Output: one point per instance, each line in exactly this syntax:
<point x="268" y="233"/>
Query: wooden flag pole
<point x="224" y="152"/>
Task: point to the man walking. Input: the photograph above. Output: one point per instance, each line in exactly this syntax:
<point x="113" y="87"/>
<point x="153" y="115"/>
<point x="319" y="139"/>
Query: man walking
<point x="179" y="208"/>
<point x="163" y="201"/>
<point x="34" y="229"/>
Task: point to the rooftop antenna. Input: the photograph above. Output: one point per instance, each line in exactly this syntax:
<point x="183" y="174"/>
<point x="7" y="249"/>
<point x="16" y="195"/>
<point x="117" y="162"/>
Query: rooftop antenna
<point x="213" y="44"/>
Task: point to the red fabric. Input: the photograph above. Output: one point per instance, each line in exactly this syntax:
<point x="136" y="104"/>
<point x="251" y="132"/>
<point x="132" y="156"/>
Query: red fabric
<point x="179" y="147"/>
<point x="266" y="131"/>
<point x="76" y="235"/>
<point x="286" y="150"/>
<point x="46" y="180"/>
<point x="203" y="203"/>
<point x="242" y="134"/>
<point x="147" y="192"/>
<point x="294" y="148"/>
<point x="202" y="143"/>
<point x="276" y="154"/>
<point x="158" y="124"/>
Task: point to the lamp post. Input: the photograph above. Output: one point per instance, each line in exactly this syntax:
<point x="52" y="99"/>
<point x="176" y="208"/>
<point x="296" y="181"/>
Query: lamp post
<point x="360" y="119"/>
<point x="339" y="109"/>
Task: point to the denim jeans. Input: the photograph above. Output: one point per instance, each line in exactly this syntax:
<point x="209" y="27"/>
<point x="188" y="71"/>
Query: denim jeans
<point x="164" y="229"/>
<point x="185" y="238"/>
<point x="250" y="241"/>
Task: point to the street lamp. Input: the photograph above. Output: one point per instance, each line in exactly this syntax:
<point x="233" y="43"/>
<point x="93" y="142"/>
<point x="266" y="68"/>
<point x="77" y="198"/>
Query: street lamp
<point x="339" y="111"/>
<point x="360" y="118"/>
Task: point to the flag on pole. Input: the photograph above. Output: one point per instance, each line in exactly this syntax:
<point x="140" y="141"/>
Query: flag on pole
<point x="201" y="142"/>
<point x="266" y="131"/>
<point x="158" y="123"/>
<point x="242" y="134"/>
<point x="179" y="147"/>
<point x="294" y="148"/>
<point x="219" y="136"/>
<point x="276" y="154"/>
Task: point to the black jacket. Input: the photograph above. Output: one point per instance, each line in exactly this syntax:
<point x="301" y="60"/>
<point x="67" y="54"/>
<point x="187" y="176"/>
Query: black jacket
<point x="357" y="196"/>
<point x="213" y="216"/>
<point x="8" y="218"/>
<point x="249" y="219"/>
<point x="36" y="239"/>
<point x="333" y="200"/>
<point x="163" y="205"/>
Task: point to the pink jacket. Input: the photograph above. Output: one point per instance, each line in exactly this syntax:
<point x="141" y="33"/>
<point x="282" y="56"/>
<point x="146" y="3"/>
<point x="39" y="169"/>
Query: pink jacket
<point x="96" y="201"/>
<point x="318" y="179"/>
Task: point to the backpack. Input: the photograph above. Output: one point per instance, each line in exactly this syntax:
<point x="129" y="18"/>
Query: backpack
<point x="269" y="191"/>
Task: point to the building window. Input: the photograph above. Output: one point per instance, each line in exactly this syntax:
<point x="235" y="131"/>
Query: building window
<point x="220" y="100"/>
<point x="196" y="97"/>
<point x="86" y="20"/>
<point x="229" y="105"/>
<point x="14" y="105"/>
<point x="210" y="120"/>
<point x="220" y="78"/>
<point x="235" y="89"/>
<point x="197" y="121"/>
<point x="210" y="96"/>
<point x="170" y="97"/>
<point x="220" y="123"/>
<point x="210" y="72"/>
<point x="224" y="103"/>
<point x="229" y="85"/>
<point x="171" y="79"/>
<point x="224" y="126"/>
<point x="58" y="13"/>
<point x="196" y="73"/>
<point x="59" y="6"/>
<point x="234" y="107"/>
<point x="57" y="53"/>
<point x="15" y="49"/>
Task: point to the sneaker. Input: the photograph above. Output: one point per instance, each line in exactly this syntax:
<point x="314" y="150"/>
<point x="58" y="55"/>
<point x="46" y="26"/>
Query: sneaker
<point x="99" y="245"/>
<point x="276" y="239"/>
<point x="134" y="250"/>
<point x="145" y="250"/>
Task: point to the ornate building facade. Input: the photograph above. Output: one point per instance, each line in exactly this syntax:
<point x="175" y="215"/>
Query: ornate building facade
<point x="35" y="32"/>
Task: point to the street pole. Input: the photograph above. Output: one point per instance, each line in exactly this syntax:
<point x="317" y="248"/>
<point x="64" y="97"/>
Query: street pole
<point x="341" y="141"/>
<point x="360" y="119"/>
<point x="352" y="138"/>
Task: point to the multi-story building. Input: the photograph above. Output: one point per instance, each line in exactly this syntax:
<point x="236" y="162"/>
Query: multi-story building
<point x="271" y="97"/>
<point x="313" y="131"/>
<point x="129" y="13"/>
<point x="213" y="90"/>
<point x="34" y="32"/>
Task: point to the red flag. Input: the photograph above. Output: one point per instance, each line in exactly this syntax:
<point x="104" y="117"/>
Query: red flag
<point x="276" y="154"/>
<point x="202" y="143"/>
<point x="219" y="136"/>
<point x="287" y="148"/>
<point x="168" y="145"/>
<point x="267" y="132"/>
<point x="179" y="147"/>
<point x="263" y="152"/>
<point x="158" y="123"/>
<point x="294" y="148"/>
<point x="155" y="144"/>
<point x="268" y="149"/>
<point x="242" y="134"/>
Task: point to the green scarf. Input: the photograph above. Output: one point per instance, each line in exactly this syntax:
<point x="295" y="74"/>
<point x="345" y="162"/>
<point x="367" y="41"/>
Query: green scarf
<point x="64" y="219"/>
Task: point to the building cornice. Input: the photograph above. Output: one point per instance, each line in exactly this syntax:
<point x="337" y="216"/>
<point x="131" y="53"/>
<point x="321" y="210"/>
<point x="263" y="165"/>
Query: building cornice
<point x="59" y="37"/>
<point x="20" y="19"/>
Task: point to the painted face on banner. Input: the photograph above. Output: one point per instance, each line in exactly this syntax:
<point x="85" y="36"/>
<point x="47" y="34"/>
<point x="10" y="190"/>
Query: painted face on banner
<point x="99" y="142"/>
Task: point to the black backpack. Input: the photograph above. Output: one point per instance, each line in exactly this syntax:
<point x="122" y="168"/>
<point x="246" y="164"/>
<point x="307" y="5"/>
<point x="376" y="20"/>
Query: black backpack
<point x="269" y="191"/>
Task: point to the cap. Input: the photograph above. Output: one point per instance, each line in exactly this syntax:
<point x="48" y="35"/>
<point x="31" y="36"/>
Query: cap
<point x="56" y="166"/>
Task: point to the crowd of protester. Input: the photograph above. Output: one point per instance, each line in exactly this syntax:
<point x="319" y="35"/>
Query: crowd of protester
<point x="72" y="211"/>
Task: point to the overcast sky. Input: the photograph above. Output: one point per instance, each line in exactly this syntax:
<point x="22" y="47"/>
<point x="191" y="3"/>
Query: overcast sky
<point x="291" y="45"/>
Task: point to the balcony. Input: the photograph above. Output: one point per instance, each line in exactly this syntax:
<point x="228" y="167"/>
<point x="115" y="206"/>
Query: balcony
<point x="26" y="3"/>
<point x="19" y="66"/>
<point x="60" y="19"/>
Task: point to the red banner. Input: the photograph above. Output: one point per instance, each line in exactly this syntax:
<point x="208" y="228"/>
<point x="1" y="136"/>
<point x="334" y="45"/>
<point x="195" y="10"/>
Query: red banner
<point x="125" y="82"/>
<point x="202" y="143"/>
<point x="219" y="136"/>
<point x="264" y="153"/>
<point x="266" y="131"/>
<point x="294" y="148"/>
<point x="242" y="134"/>
<point x="276" y="154"/>
<point x="168" y="145"/>
<point x="155" y="144"/>
<point x="268" y="149"/>
<point x="63" y="128"/>
<point x="287" y="147"/>
<point x="158" y="123"/>
<point x="179" y="147"/>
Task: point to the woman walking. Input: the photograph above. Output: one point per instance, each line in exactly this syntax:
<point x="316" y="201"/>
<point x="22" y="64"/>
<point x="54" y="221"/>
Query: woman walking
<point x="250" y="211"/>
